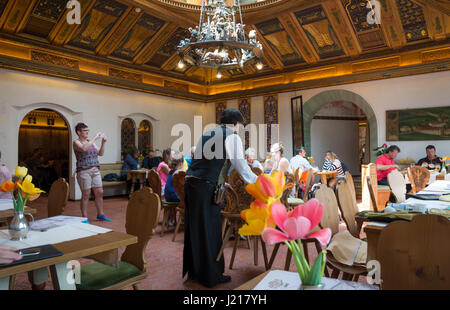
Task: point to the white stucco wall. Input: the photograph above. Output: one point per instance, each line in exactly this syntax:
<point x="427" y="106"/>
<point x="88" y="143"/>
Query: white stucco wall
<point x="102" y="108"/>
<point x="419" y="91"/>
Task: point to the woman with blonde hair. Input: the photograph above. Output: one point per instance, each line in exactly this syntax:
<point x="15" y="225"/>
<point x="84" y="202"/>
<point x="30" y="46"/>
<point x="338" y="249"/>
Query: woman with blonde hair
<point x="280" y="163"/>
<point x="332" y="163"/>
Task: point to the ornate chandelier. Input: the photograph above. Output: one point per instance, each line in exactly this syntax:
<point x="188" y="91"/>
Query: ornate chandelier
<point x="218" y="42"/>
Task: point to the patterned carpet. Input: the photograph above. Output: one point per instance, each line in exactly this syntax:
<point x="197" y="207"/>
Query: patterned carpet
<point x="164" y="257"/>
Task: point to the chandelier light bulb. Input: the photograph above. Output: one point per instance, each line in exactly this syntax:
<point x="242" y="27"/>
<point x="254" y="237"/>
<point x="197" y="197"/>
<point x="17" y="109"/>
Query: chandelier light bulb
<point x="259" y="66"/>
<point x="219" y="75"/>
<point x="180" y="64"/>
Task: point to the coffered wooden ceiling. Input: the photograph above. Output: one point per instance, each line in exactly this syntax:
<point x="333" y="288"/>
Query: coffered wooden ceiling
<point x="307" y="43"/>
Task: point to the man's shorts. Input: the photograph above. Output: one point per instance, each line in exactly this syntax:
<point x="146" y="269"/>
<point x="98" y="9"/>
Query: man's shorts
<point x="89" y="178"/>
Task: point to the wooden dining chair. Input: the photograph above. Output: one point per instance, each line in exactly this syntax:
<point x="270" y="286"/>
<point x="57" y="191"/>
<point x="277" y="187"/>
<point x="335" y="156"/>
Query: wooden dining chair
<point x="381" y="192"/>
<point x="419" y="178"/>
<point x="168" y="208"/>
<point x="351" y="185"/>
<point x="326" y="196"/>
<point x="141" y="219"/>
<point x="345" y="201"/>
<point x="397" y="183"/>
<point x="347" y="207"/>
<point x="237" y="200"/>
<point x="415" y="255"/>
<point x="57" y="197"/>
<point x="308" y="184"/>
<point x="290" y="202"/>
<point x="373" y="199"/>
<point x="178" y="180"/>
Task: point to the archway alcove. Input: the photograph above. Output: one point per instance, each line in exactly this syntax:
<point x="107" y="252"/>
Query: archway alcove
<point x="44" y="146"/>
<point x="314" y="104"/>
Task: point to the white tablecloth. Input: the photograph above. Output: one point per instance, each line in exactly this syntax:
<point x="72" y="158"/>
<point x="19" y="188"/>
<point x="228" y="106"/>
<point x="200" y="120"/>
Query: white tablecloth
<point x="438" y="187"/>
<point x="6" y="204"/>
<point x="52" y="236"/>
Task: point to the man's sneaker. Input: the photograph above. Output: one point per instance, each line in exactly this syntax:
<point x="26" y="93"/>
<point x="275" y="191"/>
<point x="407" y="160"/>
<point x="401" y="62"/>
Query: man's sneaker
<point x="85" y="221"/>
<point x="103" y="218"/>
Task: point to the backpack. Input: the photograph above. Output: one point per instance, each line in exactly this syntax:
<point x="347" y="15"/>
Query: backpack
<point x="111" y="177"/>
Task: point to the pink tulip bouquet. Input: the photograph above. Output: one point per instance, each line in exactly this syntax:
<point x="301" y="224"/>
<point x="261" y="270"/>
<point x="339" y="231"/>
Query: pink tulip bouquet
<point x="270" y="219"/>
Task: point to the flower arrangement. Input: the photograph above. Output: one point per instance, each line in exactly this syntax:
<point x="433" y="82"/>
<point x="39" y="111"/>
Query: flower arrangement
<point x="23" y="190"/>
<point x="267" y="213"/>
<point x="311" y="160"/>
<point x="381" y="149"/>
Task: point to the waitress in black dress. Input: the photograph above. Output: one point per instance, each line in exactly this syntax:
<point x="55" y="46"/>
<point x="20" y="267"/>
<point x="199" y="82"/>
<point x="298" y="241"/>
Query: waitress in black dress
<point x="215" y="152"/>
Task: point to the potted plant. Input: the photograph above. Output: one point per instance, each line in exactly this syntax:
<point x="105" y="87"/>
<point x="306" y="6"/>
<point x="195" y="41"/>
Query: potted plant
<point x="22" y="191"/>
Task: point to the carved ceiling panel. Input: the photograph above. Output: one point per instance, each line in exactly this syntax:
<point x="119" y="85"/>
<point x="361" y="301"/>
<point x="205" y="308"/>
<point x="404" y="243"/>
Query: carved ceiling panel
<point x="319" y="31"/>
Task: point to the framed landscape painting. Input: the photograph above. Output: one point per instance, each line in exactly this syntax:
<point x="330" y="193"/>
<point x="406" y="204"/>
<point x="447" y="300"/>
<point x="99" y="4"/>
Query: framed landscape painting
<point x="418" y="124"/>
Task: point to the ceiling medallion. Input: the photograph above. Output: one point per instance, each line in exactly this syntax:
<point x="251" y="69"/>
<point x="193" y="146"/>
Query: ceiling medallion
<point x="218" y="42"/>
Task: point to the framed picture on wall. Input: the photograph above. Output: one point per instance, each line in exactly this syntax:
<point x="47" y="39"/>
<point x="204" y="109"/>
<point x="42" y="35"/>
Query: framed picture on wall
<point x="418" y="124"/>
<point x="297" y="123"/>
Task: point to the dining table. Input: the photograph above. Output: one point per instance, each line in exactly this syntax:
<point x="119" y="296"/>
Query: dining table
<point x="135" y="176"/>
<point x="75" y="241"/>
<point x="325" y="175"/>
<point x="373" y="229"/>
<point x="285" y="280"/>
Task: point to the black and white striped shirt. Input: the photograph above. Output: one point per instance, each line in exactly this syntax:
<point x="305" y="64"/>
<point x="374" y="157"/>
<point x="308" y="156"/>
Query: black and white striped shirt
<point x="333" y="166"/>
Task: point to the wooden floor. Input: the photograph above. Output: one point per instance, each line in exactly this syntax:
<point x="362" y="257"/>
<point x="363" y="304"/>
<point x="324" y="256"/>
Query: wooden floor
<point x="164" y="257"/>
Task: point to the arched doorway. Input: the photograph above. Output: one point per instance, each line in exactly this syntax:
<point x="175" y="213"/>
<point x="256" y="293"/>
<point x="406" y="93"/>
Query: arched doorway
<point x="44" y="146"/>
<point x="342" y="127"/>
<point x="315" y="104"/>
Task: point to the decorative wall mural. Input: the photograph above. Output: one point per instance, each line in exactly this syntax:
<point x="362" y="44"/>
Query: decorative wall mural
<point x="220" y="107"/>
<point x="138" y="36"/>
<point x="340" y="109"/>
<point x="418" y="124"/>
<point x="246" y="110"/>
<point x="319" y="31"/>
<point x="279" y="41"/>
<point x="270" y="118"/>
<point x="413" y="20"/>
<point x="97" y="23"/>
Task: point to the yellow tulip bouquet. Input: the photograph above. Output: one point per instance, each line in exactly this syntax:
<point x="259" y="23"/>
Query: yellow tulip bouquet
<point x="23" y="190"/>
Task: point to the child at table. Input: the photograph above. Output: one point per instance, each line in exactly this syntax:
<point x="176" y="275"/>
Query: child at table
<point x="169" y="191"/>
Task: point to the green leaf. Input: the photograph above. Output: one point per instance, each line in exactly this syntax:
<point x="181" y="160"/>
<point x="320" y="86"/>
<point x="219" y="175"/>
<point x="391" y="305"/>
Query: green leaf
<point x="315" y="275"/>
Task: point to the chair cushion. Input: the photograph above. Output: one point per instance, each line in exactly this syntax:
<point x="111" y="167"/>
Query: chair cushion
<point x="347" y="249"/>
<point x="97" y="276"/>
